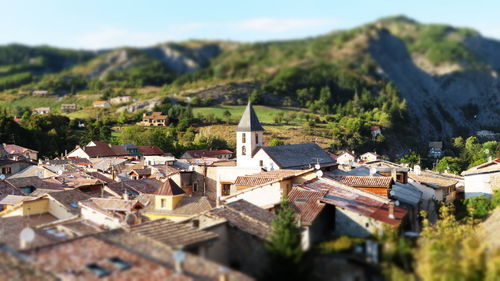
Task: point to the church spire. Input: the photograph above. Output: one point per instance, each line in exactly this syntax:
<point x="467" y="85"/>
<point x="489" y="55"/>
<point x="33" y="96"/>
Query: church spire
<point x="249" y="121"/>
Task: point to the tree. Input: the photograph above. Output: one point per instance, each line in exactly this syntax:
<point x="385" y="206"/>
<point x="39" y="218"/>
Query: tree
<point x="411" y="159"/>
<point x="227" y="116"/>
<point x="276" y="142"/>
<point x="286" y="259"/>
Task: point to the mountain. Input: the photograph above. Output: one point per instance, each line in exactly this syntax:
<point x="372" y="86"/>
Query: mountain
<point x="447" y="76"/>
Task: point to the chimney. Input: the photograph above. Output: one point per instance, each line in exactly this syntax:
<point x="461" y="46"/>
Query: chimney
<point x="391" y="210"/>
<point x="125" y="196"/>
<point x="373" y="170"/>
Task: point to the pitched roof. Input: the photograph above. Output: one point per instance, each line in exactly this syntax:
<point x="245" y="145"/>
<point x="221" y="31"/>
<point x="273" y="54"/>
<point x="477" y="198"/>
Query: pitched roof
<point x="119" y="150"/>
<point x="432" y="180"/>
<point x="17" y="149"/>
<point x="12" y="226"/>
<point x="298" y="156"/>
<point x="112" y="204"/>
<point x="249" y="121"/>
<point x="200" y="153"/>
<point x="176" y="235"/>
<point x="488" y="167"/>
<point x="247" y="217"/>
<point x="7" y="189"/>
<point x="357" y="201"/>
<point x="70" y="199"/>
<point x="378" y="185"/>
<point x="307" y="203"/>
<point x="35" y="182"/>
<point x="14" y="267"/>
<point x="141" y="186"/>
<point x="169" y="187"/>
<point x="266" y="177"/>
<point x="14" y="199"/>
<point x="150" y="150"/>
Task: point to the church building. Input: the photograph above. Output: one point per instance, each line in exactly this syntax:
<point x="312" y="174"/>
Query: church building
<point x="251" y="152"/>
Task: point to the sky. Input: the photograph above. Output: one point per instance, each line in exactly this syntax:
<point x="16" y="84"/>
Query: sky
<point x="93" y="24"/>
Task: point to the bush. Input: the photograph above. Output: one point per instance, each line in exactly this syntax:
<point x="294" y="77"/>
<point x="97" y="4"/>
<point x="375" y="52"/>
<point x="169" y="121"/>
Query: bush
<point x="479" y="206"/>
<point x="340" y="245"/>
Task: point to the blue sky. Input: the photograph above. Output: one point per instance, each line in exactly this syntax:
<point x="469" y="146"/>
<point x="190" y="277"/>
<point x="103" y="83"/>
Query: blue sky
<point x="93" y="24"/>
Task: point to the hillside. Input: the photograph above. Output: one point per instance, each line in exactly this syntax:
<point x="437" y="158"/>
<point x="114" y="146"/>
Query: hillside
<point x="447" y="77"/>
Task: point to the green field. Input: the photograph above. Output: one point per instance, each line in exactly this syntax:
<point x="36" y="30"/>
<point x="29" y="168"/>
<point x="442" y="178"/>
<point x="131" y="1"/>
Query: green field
<point x="265" y="113"/>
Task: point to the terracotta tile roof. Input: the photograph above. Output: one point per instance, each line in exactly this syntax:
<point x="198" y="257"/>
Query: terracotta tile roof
<point x="195" y="266"/>
<point x="166" y="170"/>
<point x="188" y="206"/>
<point x="70" y="199"/>
<point x="378" y="185"/>
<point x="247" y="217"/>
<point x="12" y="226"/>
<point x="15" y="199"/>
<point x="8" y="189"/>
<point x="491" y="166"/>
<point x="141" y="172"/>
<point x="307" y="203"/>
<point x="35" y="182"/>
<point x="155" y="115"/>
<point x="176" y="235"/>
<point x="141" y="186"/>
<point x="70" y="260"/>
<point x="432" y="180"/>
<point x="119" y="150"/>
<point x="266" y="177"/>
<point x="101" y="177"/>
<point x="375" y="128"/>
<point x="16" y="149"/>
<point x="14" y="268"/>
<point x="201" y="153"/>
<point x="348" y="152"/>
<point x="357" y="201"/>
<point x="150" y="150"/>
<point x="76" y="161"/>
<point x="169" y="187"/>
<point x="77" y="179"/>
<point x="112" y="204"/>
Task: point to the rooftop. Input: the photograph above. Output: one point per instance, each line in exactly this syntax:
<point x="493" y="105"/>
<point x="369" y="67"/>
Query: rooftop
<point x="249" y="121"/>
<point x="298" y="156"/>
<point x="307" y="203"/>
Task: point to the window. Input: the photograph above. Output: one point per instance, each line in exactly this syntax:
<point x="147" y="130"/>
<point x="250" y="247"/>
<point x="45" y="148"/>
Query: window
<point x="195" y="187"/>
<point x="243" y="138"/>
<point x="261" y="163"/>
<point x="256" y="138"/>
<point x="98" y="270"/>
<point x="119" y="263"/>
<point x="73" y="205"/>
<point x="163" y="203"/>
<point x="6" y="170"/>
<point x="226" y="189"/>
<point x="243" y="150"/>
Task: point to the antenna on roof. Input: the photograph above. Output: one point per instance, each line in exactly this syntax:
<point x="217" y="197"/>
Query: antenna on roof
<point x="2" y="176"/>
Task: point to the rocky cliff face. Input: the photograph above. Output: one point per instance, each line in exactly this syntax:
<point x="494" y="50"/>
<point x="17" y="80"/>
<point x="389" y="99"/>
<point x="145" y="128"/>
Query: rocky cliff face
<point x="443" y="104"/>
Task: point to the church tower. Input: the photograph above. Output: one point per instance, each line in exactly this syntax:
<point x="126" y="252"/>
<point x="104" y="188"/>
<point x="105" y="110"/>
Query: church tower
<point x="249" y="136"/>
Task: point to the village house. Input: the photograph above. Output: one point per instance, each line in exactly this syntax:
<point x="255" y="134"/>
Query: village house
<point x="42" y="110"/>
<point x="266" y="189"/>
<point x="40" y="93"/>
<point x="120" y="99"/>
<point x="433" y="186"/>
<point x="155" y="119"/>
<point x="357" y="213"/>
<point x="243" y="230"/>
<point x="375" y="131"/>
<point x="482" y="179"/>
<point x="203" y="153"/>
<point x="346" y="158"/>
<point x="9" y="167"/>
<point x="369" y="156"/>
<point x="19" y="151"/>
<point x="111" y="212"/>
<point x="101" y="104"/>
<point x="435" y="149"/>
<point x="68" y="107"/>
<point x="98" y="149"/>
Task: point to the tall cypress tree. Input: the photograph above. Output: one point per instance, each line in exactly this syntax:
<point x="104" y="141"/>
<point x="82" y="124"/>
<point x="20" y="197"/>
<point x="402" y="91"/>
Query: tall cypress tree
<point x="286" y="259"/>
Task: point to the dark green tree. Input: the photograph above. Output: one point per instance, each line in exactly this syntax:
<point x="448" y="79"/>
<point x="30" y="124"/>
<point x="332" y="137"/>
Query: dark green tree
<point x="286" y="259"/>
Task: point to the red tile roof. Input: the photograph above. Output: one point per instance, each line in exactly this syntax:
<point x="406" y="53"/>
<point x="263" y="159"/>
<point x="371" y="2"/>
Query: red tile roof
<point x="377" y="185"/>
<point x="169" y="187"/>
<point x="207" y="153"/>
<point x="150" y="150"/>
<point x="16" y="149"/>
<point x="307" y="203"/>
<point x="357" y="201"/>
<point x="266" y="177"/>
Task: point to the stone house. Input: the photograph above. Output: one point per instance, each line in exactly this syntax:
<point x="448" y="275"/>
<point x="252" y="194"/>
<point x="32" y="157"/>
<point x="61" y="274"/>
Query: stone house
<point x="68" y="107"/>
<point x="482" y="179"/>
<point x="155" y="119"/>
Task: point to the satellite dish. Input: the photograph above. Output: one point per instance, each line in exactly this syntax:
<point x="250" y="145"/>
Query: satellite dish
<point x="396" y="203"/>
<point x="27" y="234"/>
<point x="2" y="176"/>
<point x="392" y="193"/>
<point x="130" y="219"/>
<point x="60" y="172"/>
<point x="317" y="166"/>
<point x="319" y="173"/>
<point x="373" y="171"/>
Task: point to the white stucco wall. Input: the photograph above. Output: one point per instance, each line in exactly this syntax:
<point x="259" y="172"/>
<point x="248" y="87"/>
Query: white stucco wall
<point x="268" y="163"/>
<point x="264" y="197"/>
<point x="477" y="185"/>
<point x="99" y="218"/>
<point x="78" y="153"/>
